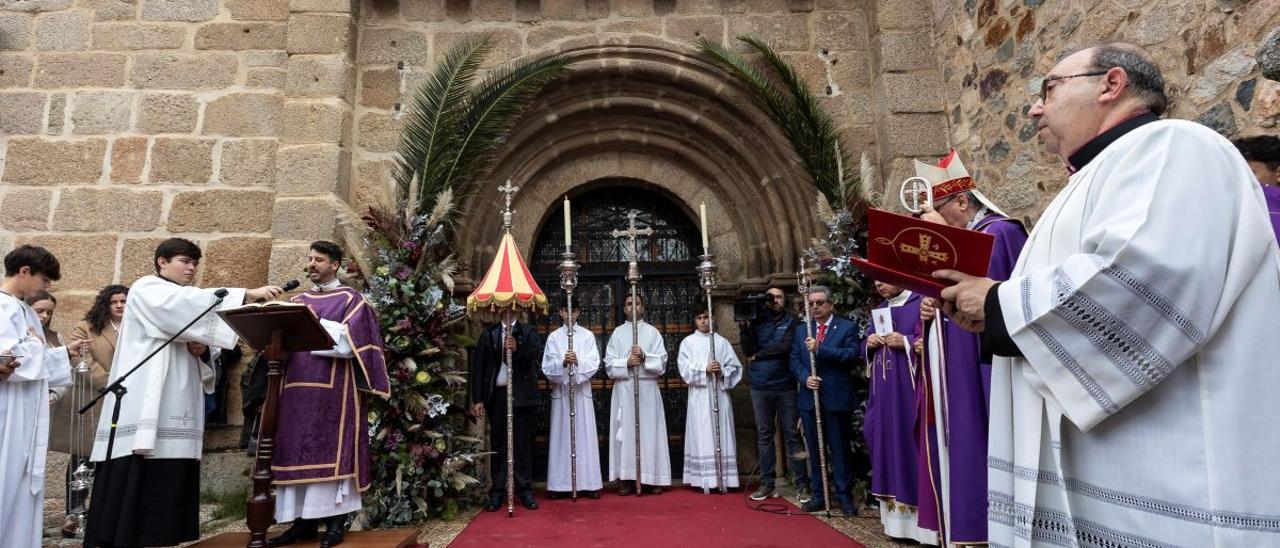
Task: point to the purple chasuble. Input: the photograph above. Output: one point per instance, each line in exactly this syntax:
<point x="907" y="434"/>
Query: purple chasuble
<point x="890" y="419"/>
<point x="1272" y="195"/>
<point x="323" y="432"/>
<point x="968" y="397"/>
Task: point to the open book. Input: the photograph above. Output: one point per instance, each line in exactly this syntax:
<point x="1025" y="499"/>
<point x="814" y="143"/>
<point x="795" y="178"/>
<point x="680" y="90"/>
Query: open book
<point x="299" y="327"/>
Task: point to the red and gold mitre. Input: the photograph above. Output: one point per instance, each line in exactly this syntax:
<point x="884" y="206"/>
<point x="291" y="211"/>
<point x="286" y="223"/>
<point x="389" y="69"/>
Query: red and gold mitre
<point x="949" y="178"/>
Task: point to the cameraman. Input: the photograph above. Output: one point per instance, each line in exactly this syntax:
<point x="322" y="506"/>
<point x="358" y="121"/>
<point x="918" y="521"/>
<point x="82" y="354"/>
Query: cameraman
<point x="766" y="341"/>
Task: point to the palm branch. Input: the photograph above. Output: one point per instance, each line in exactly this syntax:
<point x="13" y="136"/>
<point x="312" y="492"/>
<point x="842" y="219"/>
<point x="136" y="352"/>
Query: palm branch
<point x="430" y="127"/>
<point x="812" y="133"/>
<point x="455" y="124"/>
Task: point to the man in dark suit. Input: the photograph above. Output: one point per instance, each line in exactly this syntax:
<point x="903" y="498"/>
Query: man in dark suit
<point x="489" y="383"/>
<point x="836" y="346"/>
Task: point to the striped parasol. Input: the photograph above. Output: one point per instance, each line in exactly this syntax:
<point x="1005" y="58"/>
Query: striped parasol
<point x="507" y="284"/>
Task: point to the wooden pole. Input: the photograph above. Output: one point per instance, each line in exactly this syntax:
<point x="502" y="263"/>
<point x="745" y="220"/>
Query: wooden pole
<point x="262" y="504"/>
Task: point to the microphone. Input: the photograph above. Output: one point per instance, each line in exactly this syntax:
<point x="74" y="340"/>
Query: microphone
<point x="287" y="287"/>
<point x="221" y="293"/>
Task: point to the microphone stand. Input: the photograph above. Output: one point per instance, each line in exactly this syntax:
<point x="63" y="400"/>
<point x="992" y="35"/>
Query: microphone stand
<point x="117" y="387"/>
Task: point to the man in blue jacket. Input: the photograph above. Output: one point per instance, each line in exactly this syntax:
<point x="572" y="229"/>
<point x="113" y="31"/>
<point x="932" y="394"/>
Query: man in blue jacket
<point x="836" y="345"/>
<point x="767" y="343"/>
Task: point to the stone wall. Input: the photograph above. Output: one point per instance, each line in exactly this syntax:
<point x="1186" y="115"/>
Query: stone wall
<point x="123" y="122"/>
<point x="657" y="112"/>
<point x="993" y="53"/>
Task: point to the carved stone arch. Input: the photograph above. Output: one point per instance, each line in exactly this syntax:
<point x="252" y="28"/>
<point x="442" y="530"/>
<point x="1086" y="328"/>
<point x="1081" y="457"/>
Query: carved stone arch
<point x="655" y="111"/>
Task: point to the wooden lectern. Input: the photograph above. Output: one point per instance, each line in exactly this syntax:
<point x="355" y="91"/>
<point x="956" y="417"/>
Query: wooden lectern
<point x="275" y="329"/>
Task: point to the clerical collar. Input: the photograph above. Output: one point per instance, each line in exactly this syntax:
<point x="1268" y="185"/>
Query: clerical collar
<point x="900" y="298"/>
<point x="331" y="284"/>
<point x="1093" y="148"/>
<point x="161" y="276"/>
<point x="978" y="217"/>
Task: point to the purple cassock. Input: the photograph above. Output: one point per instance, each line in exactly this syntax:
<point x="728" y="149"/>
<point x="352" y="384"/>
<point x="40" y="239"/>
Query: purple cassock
<point x="1272" y="193"/>
<point x="889" y="425"/>
<point x="323" y="433"/>
<point x="967" y="400"/>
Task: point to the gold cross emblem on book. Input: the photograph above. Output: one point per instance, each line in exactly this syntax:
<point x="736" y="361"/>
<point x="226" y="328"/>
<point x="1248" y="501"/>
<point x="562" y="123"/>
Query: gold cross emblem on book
<point x="927" y="251"/>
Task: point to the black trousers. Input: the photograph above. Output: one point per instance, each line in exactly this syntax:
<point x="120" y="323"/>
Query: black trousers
<point x="523" y="419"/>
<point x="838" y="427"/>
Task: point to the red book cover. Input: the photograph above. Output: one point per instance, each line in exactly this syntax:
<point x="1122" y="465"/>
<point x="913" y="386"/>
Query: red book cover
<point x="905" y="251"/>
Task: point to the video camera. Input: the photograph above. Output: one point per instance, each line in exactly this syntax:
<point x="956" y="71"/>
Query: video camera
<point x="749" y="307"/>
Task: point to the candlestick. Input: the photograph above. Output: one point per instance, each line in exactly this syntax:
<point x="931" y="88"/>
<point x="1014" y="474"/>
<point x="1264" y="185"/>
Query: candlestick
<point x="702" y="214"/>
<point x="568" y="234"/>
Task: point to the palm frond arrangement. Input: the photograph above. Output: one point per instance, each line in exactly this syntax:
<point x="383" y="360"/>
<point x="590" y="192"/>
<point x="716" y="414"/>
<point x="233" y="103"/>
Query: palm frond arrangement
<point x="423" y="461"/>
<point x="814" y="137"/>
<point x="458" y="119"/>
<point x="812" y="133"/>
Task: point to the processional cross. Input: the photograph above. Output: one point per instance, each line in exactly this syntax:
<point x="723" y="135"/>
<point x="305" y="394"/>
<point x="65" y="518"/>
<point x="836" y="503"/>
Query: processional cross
<point x="633" y="278"/>
<point x="630" y="233"/>
<point x="509" y="190"/>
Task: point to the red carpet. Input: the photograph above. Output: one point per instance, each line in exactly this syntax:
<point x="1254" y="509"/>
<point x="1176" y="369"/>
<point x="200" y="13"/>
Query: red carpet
<point x="679" y="517"/>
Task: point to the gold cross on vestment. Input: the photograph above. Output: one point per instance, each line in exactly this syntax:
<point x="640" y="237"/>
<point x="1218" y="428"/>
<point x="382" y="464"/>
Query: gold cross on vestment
<point x="509" y="190"/>
<point x="923" y="251"/>
<point x="631" y="232"/>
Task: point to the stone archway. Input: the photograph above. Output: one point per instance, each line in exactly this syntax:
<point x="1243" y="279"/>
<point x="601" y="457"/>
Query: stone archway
<point x="655" y="111"/>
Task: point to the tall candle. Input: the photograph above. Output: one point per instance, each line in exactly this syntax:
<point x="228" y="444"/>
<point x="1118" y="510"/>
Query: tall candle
<point x="702" y="214"/>
<point x="568" y="237"/>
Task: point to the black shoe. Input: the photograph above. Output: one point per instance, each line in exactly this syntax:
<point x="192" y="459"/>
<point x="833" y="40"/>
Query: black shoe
<point x="593" y="495"/>
<point x="302" y="529"/>
<point x="849" y="510"/>
<point x="653" y="489"/>
<point x="493" y="505"/>
<point x="625" y="489"/>
<point x="556" y="495"/>
<point x="527" y="501"/>
<point x="334" y="527"/>
<point x="814" y="505"/>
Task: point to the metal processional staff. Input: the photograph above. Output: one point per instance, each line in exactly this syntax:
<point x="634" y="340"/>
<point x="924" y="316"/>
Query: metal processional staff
<point x="633" y="278"/>
<point x="569" y="282"/>
<point x="707" y="279"/>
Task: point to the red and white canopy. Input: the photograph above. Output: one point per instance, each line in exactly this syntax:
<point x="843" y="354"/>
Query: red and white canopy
<point x="507" y="284"/>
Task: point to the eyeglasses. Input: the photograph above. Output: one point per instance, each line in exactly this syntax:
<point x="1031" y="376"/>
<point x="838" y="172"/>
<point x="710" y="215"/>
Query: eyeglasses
<point x="1044" y="84"/>
<point x="819" y="302"/>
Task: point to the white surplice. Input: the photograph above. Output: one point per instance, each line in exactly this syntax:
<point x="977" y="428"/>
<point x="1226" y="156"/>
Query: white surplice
<point x="655" y="461"/>
<point x="578" y="387"/>
<point x="699" y="434"/>
<point x="1144" y="302"/>
<point x="24" y="422"/>
<point x="162" y="414"/>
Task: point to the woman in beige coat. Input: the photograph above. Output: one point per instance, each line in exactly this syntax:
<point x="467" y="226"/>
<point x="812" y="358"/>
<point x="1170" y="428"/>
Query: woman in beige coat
<point x="100" y="327"/>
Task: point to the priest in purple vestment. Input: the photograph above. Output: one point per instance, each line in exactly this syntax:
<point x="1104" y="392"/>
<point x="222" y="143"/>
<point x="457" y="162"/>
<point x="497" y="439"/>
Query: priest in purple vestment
<point x="889" y="426"/>
<point x="958" y="374"/>
<point x="321" y="462"/>
<point x="1263" y="154"/>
